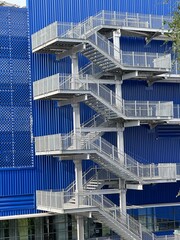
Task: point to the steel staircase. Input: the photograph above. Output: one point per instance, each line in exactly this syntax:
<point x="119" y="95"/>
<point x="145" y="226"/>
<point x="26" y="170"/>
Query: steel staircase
<point x="124" y="225"/>
<point x="100" y="98"/>
<point x="93" y="179"/>
<point x="98" y="48"/>
<point x="114" y="20"/>
<point x="107" y="58"/>
<point x="102" y="209"/>
<point x="107" y="156"/>
<point x="100" y="51"/>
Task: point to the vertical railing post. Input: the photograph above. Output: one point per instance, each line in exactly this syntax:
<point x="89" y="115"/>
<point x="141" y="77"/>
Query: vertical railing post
<point x="150" y="21"/>
<point x="103" y="17"/>
<point x="145" y="59"/>
<point x="138" y="23"/>
<point x="111" y="101"/>
<point x="176" y="67"/>
<point x="135" y="108"/>
<point x="114" y="17"/>
<point x="109" y="48"/>
<point x="41" y="198"/>
<point x="98" y="89"/>
<point x="148" y="112"/>
<point x="72" y="30"/>
<point x="150" y="170"/>
<point x="133" y="60"/>
<point x="159" y="106"/>
<point x="162" y="19"/>
<point x="113" y="152"/>
<point x="138" y="169"/>
<point x="96" y="38"/>
<point x="100" y="144"/>
<point x="102" y="200"/>
<point x="126" y="19"/>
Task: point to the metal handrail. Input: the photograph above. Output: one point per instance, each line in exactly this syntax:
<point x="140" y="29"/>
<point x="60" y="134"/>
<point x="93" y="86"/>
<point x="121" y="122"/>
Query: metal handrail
<point x="121" y="20"/>
<point x="114" y="213"/>
<point x="109" y="152"/>
<point x="140" y="59"/>
<point x="126" y="108"/>
<point x="53" y="201"/>
<point x="88" y="30"/>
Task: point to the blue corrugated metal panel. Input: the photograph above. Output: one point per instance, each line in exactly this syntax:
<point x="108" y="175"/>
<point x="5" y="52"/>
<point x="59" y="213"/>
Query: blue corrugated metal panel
<point x="142" y="143"/>
<point x="172" y="131"/>
<point x="17" y="202"/>
<point x="77" y="10"/>
<point x="139" y="90"/>
<point x="139" y="45"/>
<point x="50" y="119"/>
<point x="155" y="193"/>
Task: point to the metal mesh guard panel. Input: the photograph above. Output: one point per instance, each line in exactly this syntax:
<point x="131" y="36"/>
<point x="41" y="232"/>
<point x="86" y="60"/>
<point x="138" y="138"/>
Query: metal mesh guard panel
<point x="16" y="149"/>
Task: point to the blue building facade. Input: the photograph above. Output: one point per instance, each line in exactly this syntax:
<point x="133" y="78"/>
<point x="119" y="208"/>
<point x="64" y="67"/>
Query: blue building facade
<point x="152" y="145"/>
<point x="22" y="119"/>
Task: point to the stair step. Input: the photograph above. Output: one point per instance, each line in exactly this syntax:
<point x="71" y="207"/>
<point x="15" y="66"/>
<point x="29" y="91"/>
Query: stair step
<point x="97" y="60"/>
<point x="90" y="54"/>
<point x="90" y="188"/>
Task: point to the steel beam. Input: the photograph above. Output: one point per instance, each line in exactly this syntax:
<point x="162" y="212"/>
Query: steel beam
<point x="74" y="100"/>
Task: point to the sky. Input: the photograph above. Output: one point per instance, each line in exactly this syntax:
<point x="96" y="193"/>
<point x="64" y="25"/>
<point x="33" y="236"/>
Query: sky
<point x="18" y="2"/>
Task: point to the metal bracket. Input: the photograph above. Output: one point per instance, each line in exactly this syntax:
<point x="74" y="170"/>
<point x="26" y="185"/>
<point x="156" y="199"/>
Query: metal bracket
<point x="76" y="49"/>
<point x="130" y="75"/>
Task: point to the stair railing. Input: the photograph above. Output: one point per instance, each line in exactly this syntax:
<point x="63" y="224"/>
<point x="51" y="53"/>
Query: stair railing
<point x="90" y="69"/>
<point x="92" y="173"/>
<point x="113" y="213"/>
<point x="129" y="59"/>
<point x="146" y="172"/>
<point x="117" y="19"/>
<point x="100" y="90"/>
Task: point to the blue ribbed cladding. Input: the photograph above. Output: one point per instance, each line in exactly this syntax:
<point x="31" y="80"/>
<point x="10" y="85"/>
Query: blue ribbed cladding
<point x="154" y="193"/>
<point x="51" y="173"/>
<point x="77" y="10"/>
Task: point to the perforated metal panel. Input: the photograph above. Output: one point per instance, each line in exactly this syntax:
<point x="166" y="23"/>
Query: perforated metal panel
<point x="16" y="149"/>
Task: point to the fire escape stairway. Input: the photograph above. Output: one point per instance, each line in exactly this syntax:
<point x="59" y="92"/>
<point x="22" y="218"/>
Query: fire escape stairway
<point x="93" y="179"/>
<point x="104" y="53"/>
<point x="101" y="207"/>
<point x="100" y="98"/>
<point x="122" y="224"/>
<point x="108" y="212"/>
<point x="106" y="155"/>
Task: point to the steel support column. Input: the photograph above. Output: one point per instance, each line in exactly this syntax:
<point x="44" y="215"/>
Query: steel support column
<point x="74" y="70"/>
<point x="122" y="196"/>
<point x="120" y="143"/>
<point x="116" y="41"/>
<point x="80" y="228"/>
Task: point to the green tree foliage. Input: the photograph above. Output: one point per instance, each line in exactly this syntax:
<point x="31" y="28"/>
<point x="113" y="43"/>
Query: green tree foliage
<point x="174" y="32"/>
